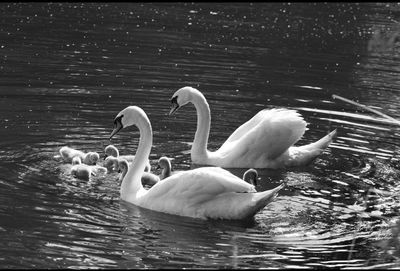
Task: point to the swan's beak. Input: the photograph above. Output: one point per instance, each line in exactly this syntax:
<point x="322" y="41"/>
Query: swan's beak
<point x="174" y="107"/>
<point x="118" y="127"/>
<point x="158" y="167"/>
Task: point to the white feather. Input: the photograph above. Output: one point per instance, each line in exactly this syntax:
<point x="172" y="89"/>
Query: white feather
<point x="265" y="141"/>
<point x="208" y="192"/>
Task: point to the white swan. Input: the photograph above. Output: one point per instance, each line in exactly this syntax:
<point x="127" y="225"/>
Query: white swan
<point x="148" y="179"/>
<point x="265" y="141"/>
<point x="250" y="176"/>
<point x="207" y="192"/>
<point x="111" y="150"/>
<point x="68" y="154"/>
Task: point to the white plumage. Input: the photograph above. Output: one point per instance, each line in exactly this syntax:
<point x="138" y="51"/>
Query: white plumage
<point x="208" y="192"/>
<point x="265" y="141"/>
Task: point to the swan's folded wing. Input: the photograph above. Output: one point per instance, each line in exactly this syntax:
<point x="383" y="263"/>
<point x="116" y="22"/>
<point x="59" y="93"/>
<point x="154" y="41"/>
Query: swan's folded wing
<point x="270" y="137"/>
<point x="245" y="127"/>
<point x="195" y="186"/>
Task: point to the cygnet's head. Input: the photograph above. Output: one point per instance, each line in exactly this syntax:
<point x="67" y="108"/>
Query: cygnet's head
<point x="164" y="162"/>
<point x="76" y="160"/>
<point x="123" y="167"/>
<point x="251" y="176"/>
<point x="183" y="96"/>
<point x="111" y="150"/>
<point x="91" y="158"/>
<point x="64" y="150"/>
<point x="111" y="163"/>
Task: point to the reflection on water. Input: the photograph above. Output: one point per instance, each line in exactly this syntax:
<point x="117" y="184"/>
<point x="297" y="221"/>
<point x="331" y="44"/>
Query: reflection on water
<point x="69" y="68"/>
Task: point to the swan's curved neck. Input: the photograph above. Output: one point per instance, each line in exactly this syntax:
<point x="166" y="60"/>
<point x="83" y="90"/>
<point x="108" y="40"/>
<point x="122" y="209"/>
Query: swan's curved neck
<point x="132" y="184"/>
<point x="199" y="147"/>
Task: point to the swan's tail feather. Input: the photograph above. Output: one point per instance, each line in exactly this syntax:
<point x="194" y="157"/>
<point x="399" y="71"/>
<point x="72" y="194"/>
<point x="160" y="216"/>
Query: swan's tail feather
<point x="304" y="155"/>
<point x="323" y="143"/>
<point x="262" y="199"/>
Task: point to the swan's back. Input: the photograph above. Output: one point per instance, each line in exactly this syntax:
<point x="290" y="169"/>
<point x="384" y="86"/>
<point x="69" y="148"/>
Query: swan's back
<point x="239" y="205"/>
<point x="185" y="193"/>
<point x="266" y="136"/>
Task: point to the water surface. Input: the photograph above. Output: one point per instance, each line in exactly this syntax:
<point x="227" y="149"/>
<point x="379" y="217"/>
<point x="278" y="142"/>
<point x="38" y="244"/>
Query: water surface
<point x="68" y="69"/>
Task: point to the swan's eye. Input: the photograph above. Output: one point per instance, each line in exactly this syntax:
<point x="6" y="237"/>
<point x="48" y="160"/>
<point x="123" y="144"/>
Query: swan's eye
<point x="174" y="100"/>
<point x="118" y="121"/>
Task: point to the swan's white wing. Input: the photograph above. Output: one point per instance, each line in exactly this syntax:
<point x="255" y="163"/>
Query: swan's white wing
<point x="186" y="190"/>
<point x="275" y="131"/>
<point x="245" y="127"/>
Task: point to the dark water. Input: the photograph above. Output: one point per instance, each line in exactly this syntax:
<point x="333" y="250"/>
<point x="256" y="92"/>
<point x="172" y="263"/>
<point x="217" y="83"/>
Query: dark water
<point x="68" y="69"/>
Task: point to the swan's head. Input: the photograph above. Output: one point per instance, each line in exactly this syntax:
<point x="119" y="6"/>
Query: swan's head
<point x="164" y="162"/>
<point x="111" y="163"/>
<point x="76" y="160"/>
<point x="111" y="150"/>
<point x="131" y="115"/>
<point x="183" y="96"/>
<point x="251" y="176"/>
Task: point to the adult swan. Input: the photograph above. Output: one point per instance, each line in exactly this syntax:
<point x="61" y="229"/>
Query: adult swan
<point x="265" y="141"/>
<point x="208" y="192"/>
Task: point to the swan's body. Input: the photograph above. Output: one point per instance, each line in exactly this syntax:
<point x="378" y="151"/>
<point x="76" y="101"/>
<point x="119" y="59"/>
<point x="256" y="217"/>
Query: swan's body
<point x="148" y="179"/>
<point x="208" y="192"/>
<point x="89" y="158"/>
<point x="250" y="176"/>
<point x="265" y="141"/>
<point x="111" y="150"/>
